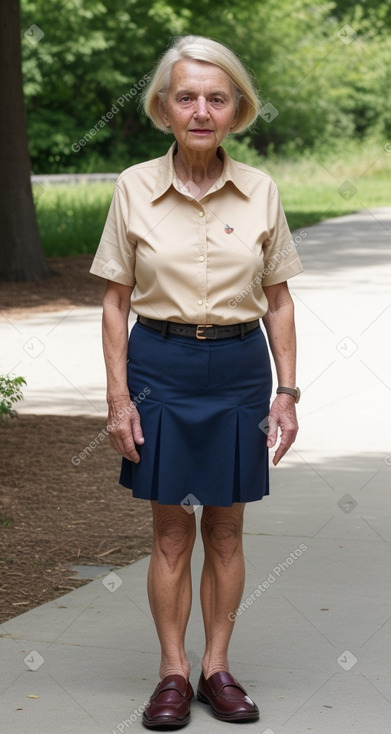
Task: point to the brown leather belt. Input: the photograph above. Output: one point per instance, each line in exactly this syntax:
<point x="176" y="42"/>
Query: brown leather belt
<point x="199" y="331"/>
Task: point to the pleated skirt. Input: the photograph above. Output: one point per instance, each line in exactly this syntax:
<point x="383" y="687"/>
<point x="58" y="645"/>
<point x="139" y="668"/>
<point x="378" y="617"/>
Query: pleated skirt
<point x="203" y="408"/>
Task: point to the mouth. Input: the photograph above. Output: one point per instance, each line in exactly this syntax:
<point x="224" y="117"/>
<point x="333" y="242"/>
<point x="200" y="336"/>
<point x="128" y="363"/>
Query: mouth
<point x="200" y="131"/>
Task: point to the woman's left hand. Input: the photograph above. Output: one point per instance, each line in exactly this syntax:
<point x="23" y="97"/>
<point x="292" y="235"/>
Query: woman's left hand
<point x="282" y="415"/>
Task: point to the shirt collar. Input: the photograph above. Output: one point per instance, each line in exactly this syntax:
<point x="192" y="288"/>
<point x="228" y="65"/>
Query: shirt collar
<point x="232" y="171"/>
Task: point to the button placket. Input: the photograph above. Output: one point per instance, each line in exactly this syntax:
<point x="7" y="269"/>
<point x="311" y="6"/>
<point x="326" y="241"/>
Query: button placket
<point x="201" y="269"/>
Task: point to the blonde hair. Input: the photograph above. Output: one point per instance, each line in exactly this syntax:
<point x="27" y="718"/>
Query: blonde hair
<point x="206" y="50"/>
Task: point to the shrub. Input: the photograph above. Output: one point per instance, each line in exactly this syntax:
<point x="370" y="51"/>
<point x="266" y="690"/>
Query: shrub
<point x="10" y="393"/>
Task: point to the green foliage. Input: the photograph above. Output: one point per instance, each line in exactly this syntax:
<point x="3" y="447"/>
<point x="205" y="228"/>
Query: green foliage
<point x="327" y="83"/>
<point x="6" y="522"/>
<point x="10" y="393"/>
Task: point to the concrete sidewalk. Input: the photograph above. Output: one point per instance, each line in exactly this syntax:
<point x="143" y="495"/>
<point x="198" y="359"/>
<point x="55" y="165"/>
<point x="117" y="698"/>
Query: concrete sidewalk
<point x="312" y="643"/>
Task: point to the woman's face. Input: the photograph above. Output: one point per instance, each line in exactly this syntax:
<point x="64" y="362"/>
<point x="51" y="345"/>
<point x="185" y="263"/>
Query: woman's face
<point x="200" y="105"/>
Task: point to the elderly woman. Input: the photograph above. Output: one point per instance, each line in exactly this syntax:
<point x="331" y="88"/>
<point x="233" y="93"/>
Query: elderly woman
<point x="199" y="244"/>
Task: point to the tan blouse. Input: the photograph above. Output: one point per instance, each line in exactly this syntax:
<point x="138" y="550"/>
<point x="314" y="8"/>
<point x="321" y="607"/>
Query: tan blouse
<point x="197" y="262"/>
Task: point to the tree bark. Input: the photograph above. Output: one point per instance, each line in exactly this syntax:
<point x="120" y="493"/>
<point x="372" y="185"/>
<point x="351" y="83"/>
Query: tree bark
<point x="21" y="253"/>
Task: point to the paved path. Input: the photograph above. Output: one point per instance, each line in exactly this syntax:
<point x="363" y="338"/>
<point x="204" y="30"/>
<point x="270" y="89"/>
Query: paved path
<point x="313" y="647"/>
<point x="68" y="178"/>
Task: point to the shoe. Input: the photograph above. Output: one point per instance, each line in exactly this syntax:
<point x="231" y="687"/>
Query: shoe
<point x="228" y="699"/>
<point x="169" y="704"/>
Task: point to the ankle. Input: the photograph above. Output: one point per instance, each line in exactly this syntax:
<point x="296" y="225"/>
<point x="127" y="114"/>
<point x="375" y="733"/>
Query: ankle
<point x="166" y="670"/>
<point x="214" y="666"/>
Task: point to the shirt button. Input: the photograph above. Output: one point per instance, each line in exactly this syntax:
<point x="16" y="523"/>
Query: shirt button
<point x="201" y="214"/>
<point x="201" y="259"/>
<point x="200" y="302"/>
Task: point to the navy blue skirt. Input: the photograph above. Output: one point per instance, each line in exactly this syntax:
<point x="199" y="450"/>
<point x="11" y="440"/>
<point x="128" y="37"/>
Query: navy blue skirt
<point x="201" y="403"/>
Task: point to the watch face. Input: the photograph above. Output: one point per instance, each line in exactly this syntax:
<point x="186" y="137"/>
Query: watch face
<point x="298" y="394"/>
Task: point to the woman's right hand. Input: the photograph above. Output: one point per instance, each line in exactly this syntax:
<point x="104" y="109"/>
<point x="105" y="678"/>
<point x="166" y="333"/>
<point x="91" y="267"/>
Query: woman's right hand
<point x="124" y="426"/>
<point x="124" y="423"/>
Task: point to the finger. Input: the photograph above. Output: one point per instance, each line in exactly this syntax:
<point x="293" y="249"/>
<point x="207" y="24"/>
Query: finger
<point x="130" y="451"/>
<point x="272" y="432"/>
<point x="138" y="435"/>
<point x="287" y="439"/>
<point x="124" y="445"/>
<point x="281" y="451"/>
<point x="278" y="455"/>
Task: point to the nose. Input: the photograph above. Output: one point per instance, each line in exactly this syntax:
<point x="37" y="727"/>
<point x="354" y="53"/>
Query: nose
<point x="201" y="109"/>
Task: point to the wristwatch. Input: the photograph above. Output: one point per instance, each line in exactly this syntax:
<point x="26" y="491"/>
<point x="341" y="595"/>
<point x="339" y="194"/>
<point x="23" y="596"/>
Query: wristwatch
<point x="294" y="391"/>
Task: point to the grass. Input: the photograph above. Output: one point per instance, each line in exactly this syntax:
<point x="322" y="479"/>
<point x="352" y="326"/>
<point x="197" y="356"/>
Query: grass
<point x="6" y="522"/>
<point x="321" y="187"/>
<point x="71" y="216"/>
<point x="313" y="187"/>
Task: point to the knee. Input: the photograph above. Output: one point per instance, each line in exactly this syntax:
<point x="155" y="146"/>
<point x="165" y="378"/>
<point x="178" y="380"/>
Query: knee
<point x="222" y="536"/>
<point x="175" y="537"/>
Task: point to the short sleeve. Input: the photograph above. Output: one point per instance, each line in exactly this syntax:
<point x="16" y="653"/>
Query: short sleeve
<point x="280" y="257"/>
<point x="115" y="256"/>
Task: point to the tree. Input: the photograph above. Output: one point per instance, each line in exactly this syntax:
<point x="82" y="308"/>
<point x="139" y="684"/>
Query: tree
<point x="21" y="253"/>
<point x="96" y="53"/>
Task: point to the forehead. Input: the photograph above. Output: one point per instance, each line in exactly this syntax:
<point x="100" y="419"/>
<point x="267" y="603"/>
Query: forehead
<point x="196" y="75"/>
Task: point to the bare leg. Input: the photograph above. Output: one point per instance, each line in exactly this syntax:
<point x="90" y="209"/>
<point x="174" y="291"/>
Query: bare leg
<point x="222" y="581"/>
<point x="169" y="583"/>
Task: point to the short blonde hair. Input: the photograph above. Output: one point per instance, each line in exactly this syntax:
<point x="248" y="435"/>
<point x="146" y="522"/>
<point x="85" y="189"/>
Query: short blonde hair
<point x="206" y="50"/>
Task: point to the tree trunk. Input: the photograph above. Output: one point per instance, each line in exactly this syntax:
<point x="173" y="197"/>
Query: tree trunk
<point x="21" y="253"/>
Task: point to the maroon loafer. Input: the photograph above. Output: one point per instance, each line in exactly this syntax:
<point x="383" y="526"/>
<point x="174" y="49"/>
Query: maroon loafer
<point x="228" y="699"/>
<point x="169" y="704"/>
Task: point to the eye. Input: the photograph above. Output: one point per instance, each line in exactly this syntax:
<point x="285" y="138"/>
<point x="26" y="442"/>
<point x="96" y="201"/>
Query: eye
<point x="217" y="100"/>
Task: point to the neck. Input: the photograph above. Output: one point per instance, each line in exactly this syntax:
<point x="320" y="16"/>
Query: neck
<point x="197" y="166"/>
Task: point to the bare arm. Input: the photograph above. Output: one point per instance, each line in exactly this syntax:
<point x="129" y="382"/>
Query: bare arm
<point x="280" y="328"/>
<point x="123" y="417"/>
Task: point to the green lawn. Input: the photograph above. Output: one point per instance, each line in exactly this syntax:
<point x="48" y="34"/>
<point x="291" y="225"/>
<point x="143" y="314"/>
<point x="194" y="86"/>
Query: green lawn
<point x="71" y="217"/>
<point x="311" y="193"/>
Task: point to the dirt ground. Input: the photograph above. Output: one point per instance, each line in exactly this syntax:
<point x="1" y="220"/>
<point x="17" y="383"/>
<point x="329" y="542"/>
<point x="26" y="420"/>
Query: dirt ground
<point x="54" y="514"/>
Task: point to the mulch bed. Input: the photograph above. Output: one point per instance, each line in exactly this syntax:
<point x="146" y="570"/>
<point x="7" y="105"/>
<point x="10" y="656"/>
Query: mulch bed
<point x="70" y="284"/>
<point x="53" y="513"/>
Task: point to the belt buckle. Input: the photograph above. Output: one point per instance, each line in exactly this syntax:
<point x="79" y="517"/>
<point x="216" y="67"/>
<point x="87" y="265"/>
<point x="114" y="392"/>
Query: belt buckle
<point x="203" y="326"/>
